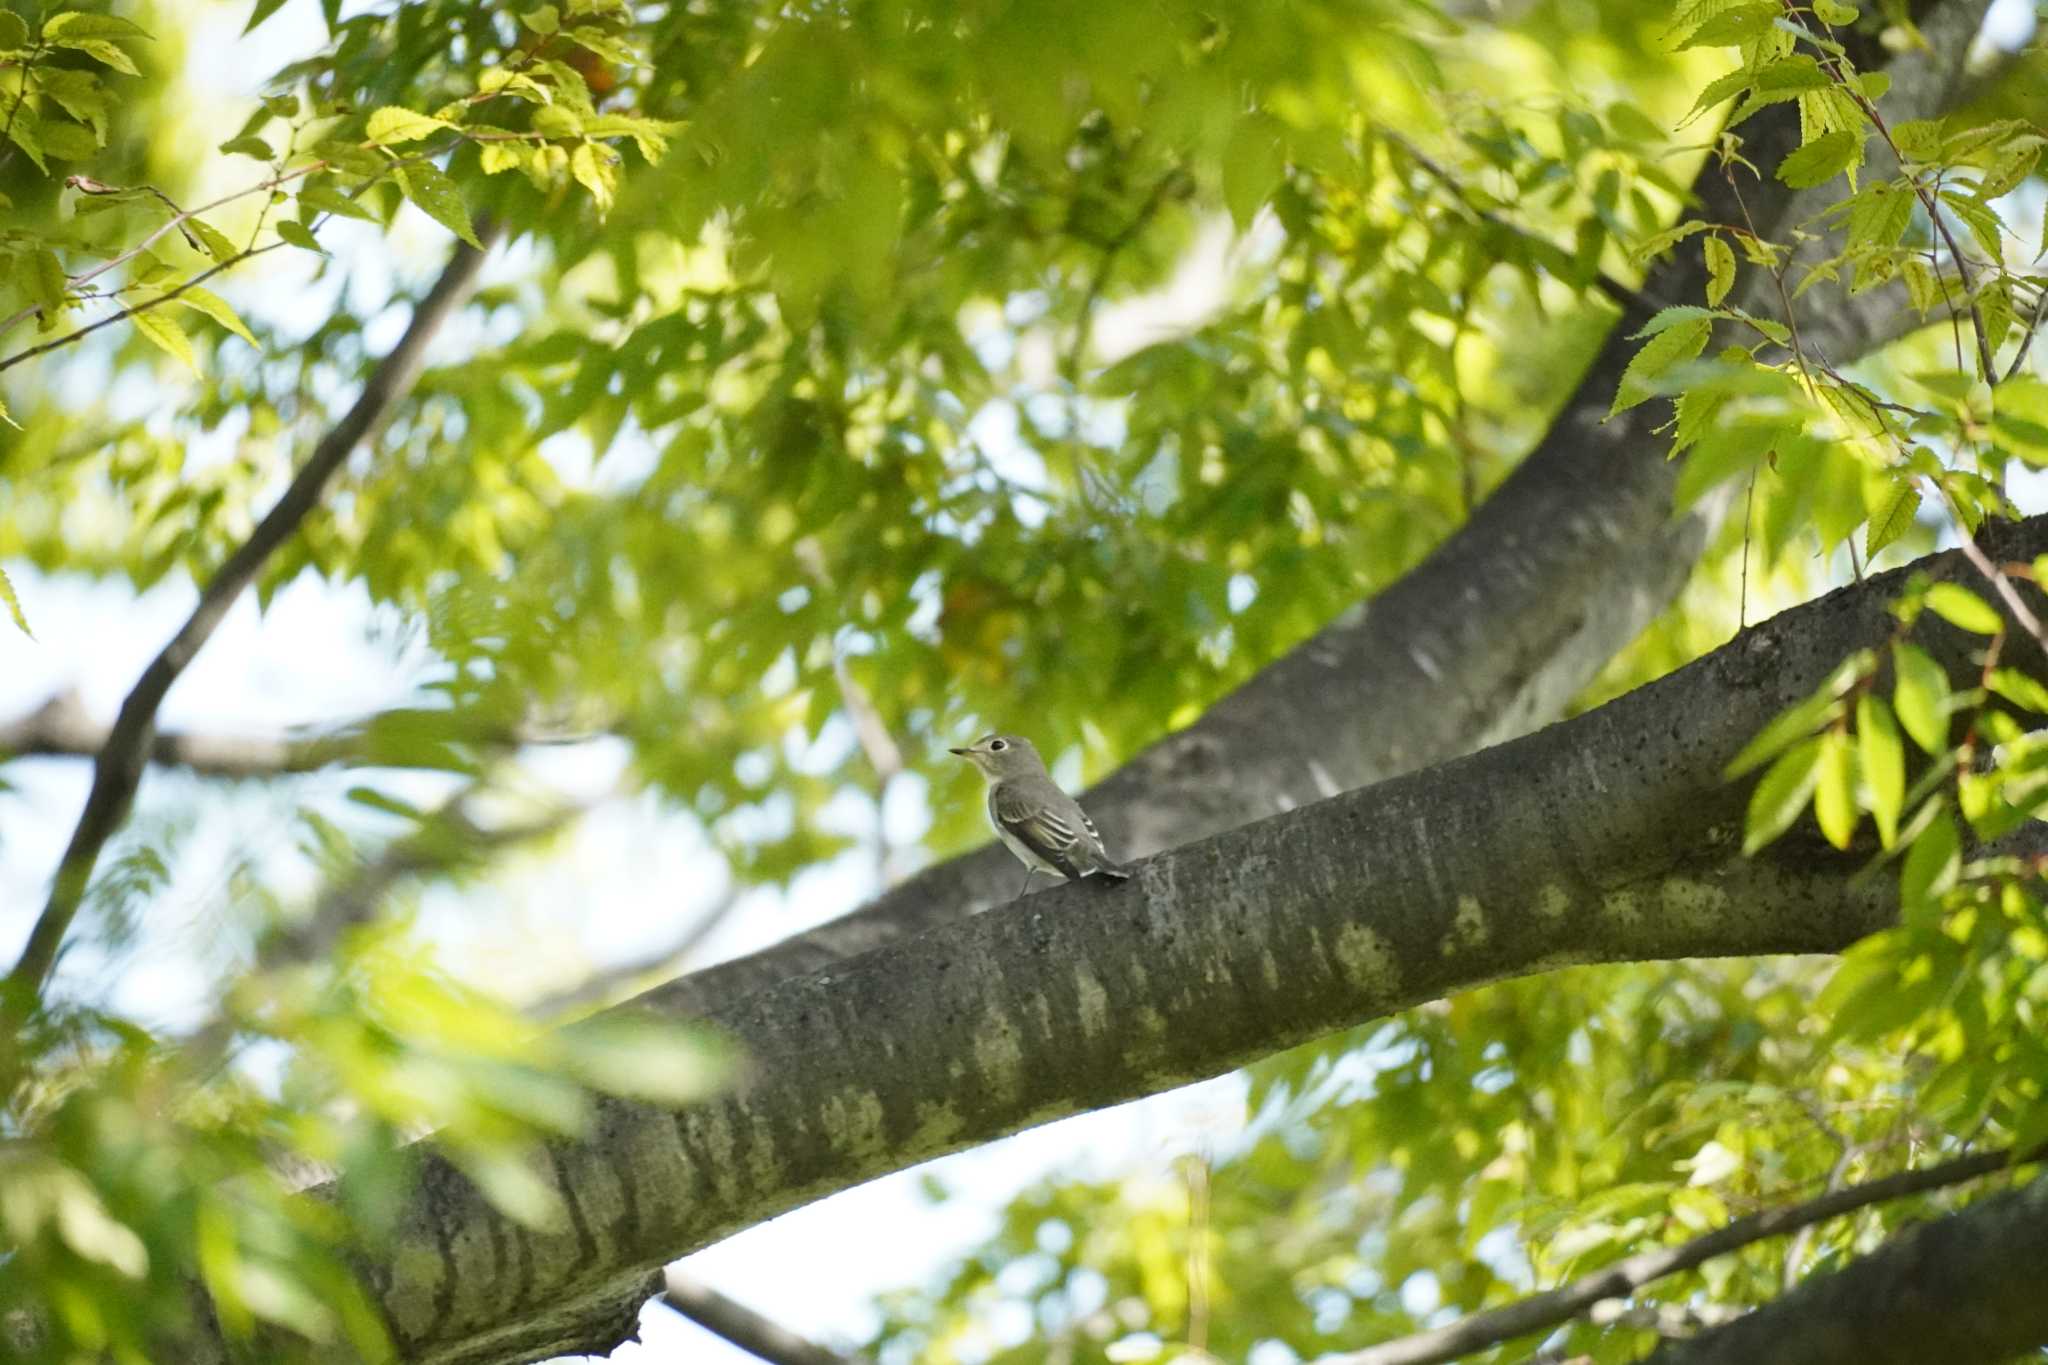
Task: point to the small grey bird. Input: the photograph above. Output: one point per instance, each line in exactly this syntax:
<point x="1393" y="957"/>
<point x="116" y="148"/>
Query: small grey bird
<point x="1042" y="825"/>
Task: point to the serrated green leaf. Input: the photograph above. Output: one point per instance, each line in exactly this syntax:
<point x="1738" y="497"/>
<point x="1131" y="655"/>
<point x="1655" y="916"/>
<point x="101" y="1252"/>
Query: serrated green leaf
<point x="1822" y="159"/>
<point x="1720" y="269"/>
<point x="1781" y="794"/>
<point x="1795" y="723"/>
<point x="13" y="601"/>
<point x="212" y="240"/>
<point x="203" y="300"/>
<point x="1667" y="349"/>
<point x="1734" y="27"/>
<point x="394" y="123"/>
<point x="594" y="169"/>
<point x="1881" y="754"/>
<point x="1921" y="695"/>
<point x="435" y="194"/>
<point x="1893" y="518"/>
<point x="104" y="52"/>
<point x="1834" y="790"/>
<point x="162" y="330"/>
<point x="73" y="24"/>
<point x="1981" y="219"/>
<point x="1963" y="609"/>
<point x="1922" y="289"/>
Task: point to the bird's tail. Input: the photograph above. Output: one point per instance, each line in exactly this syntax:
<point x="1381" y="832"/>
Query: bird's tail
<point x="1114" y="871"/>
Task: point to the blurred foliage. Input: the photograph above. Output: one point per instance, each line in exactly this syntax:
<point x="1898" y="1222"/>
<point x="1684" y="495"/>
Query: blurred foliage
<point x="829" y="357"/>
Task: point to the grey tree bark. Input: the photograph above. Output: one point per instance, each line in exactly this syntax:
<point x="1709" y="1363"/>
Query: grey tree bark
<point x="1492" y="635"/>
<point x="1611" y="837"/>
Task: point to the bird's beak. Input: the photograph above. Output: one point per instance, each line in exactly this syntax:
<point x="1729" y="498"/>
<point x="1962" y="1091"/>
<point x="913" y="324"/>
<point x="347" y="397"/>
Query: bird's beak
<point x="962" y="752"/>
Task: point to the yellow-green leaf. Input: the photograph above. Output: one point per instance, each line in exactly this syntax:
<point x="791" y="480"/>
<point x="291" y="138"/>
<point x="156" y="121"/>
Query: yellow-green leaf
<point x="214" y="241"/>
<point x="1932" y="865"/>
<point x="297" y="234"/>
<point x="214" y="306"/>
<point x="1893" y="517"/>
<point x="1782" y="794"/>
<point x="435" y="194"/>
<point x="1668" y="348"/>
<point x="1822" y="159"/>
<point x="7" y="595"/>
<point x="592" y="166"/>
<point x="1834" y="791"/>
<point x="1882" y="756"/>
<point x="1720" y="270"/>
<point x="157" y="325"/>
<point x="394" y="123"/>
<point x="323" y="199"/>
<point x="1922" y="697"/>
<point x="1963" y="609"/>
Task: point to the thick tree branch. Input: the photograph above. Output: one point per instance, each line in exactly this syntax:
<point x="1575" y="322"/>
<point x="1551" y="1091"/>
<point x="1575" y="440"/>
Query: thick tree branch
<point x="1624" y="1277"/>
<point x="1966" y="1287"/>
<point x="117" y="772"/>
<point x="742" y="1326"/>
<point x="1621" y="843"/>
<point x="1488" y="638"/>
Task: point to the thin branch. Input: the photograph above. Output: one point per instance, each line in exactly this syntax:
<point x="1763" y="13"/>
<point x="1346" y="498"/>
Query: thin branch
<point x="656" y="966"/>
<point x="1084" y="325"/>
<point x="742" y="1326"/>
<point x="1540" y="1311"/>
<point x="118" y="770"/>
<point x="1621" y="293"/>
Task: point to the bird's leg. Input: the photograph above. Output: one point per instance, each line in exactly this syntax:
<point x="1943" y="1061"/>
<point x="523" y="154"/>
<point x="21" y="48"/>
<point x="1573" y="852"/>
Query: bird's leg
<point x="1029" y="873"/>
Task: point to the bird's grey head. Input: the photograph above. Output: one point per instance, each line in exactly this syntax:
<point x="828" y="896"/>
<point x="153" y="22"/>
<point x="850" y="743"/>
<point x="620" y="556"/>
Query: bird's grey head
<point x="1000" y="756"/>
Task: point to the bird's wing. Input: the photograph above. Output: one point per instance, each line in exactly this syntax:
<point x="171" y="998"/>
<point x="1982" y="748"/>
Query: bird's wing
<point x="1059" y="832"/>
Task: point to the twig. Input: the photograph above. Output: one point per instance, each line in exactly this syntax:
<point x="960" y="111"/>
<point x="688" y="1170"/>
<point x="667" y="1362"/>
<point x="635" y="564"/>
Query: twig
<point x="1539" y="1311"/>
<point x="1622" y="294"/>
<point x="1084" y="325"/>
<point x="666" y="962"/>
<point x="742" y="1326"/>
<point x="118" y="770"/>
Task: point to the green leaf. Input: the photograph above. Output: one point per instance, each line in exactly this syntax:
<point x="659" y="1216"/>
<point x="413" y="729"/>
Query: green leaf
<point x="214" y="241"/>
<point x="202" y="300"/>
<point x="13" y="31"/>
<point x="1921" y="695"/>
<point x="13" y="602"/>
<point x="323" y="199"/>
<point x="1982" y="220"/>
<point x="248" y="146"/>
<point x="594" y="169"/>
<point x="1734" y="27"/>
<point x="1781" y="795"/>
<point x="104" y="52"/>
<point x="1822" y="159"/>
<point x="297" y="234"/>
<point x="394" y="123"/>
<point x="1963" y="609"/>
<point x="1662" y="352"/>
<point x="1720" y="269"/>
<point x="157" y="325"/>
<point x="263" y="10"/>
<point x="1932" y="865"/>
<point x="63" y="28"/>
<point x="2019" y="689"/>
<point x="1881" y="754"/>
<point x="547" y="19"/>
<point x="1253" y="163"/>
<point x="1893" y="518"/>
<point x="1834" y="792"/>
<point x="1832" y="14"/>
<point x="660" y="1061"/>
<point x="435" y="194"/>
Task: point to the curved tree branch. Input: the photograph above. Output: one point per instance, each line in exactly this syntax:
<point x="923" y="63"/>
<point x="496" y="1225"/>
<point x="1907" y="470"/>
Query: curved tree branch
<point x="1624" y="843"/>
<point x="117" y="772"/>
<point x="1539" y="1311"/>
<point x="742" y="1326"/>
<point x="1966" y="1287"/>
<point x="1491" y="636"/>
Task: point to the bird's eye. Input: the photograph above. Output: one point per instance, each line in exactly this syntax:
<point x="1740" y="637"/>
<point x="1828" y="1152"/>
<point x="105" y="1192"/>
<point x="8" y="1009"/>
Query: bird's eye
<point x="996" y="746"/>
